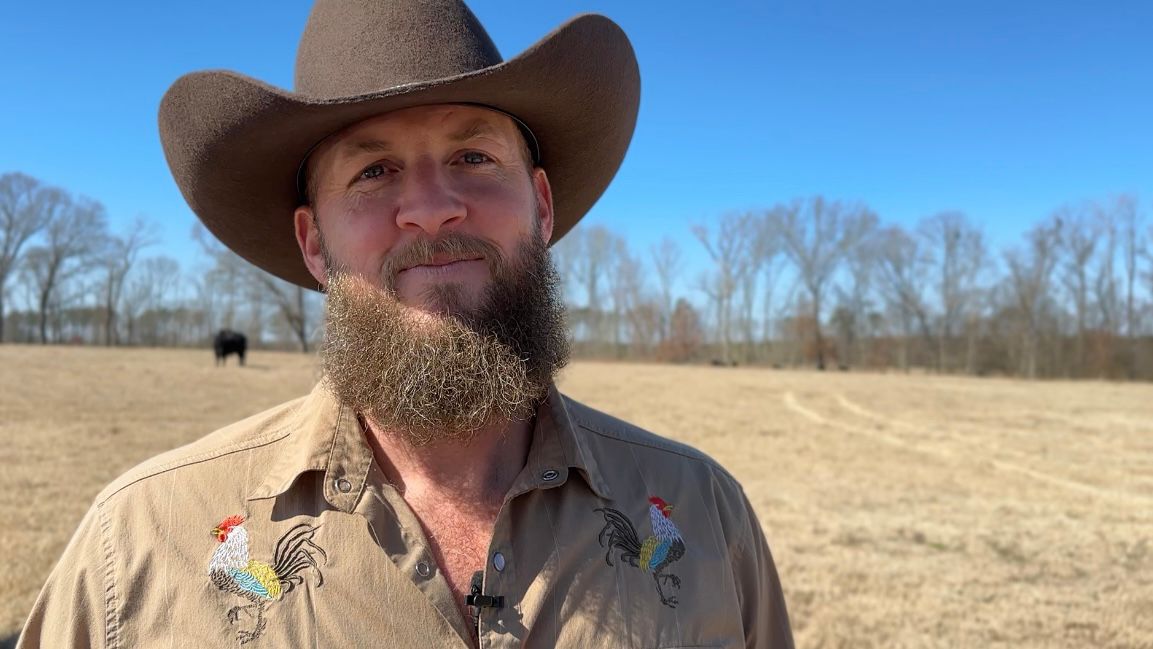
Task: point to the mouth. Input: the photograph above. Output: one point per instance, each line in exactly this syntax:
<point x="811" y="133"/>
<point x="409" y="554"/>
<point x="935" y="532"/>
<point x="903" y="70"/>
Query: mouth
<point x="442" y="262"/>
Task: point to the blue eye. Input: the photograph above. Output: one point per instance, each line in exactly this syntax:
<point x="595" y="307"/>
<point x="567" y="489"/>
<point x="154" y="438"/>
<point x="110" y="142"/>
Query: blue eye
<point x="475" y="158"/>
<point x="372" y="172"/>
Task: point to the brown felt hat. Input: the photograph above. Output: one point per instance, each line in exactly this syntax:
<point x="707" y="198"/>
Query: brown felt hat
<point x="235" y="144"/>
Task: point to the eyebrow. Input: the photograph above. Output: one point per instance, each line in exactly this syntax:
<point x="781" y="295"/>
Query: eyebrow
<point x="478" y="127"/>
<point x="475" y="128"/>
<point x="350" y="148"/>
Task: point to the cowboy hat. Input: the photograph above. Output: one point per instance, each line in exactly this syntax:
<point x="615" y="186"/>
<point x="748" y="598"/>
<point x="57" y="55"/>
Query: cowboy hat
<point x="235" y="144"/>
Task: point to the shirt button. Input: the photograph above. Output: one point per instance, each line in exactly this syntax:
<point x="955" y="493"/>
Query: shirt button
<point x="498" y="562"/>
<point x="343" y="485"/>
<point x="423" y="569"/>
<point x="549" y="476"/>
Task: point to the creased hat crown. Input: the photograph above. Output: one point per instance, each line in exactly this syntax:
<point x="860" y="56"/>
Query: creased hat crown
<point x="357" y="48"/>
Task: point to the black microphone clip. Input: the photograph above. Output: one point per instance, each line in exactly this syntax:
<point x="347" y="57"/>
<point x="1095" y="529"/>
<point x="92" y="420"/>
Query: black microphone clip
<point x="476" y="600"/>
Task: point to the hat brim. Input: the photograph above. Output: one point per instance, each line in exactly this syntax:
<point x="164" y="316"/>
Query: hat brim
<point x="234" y="144"/>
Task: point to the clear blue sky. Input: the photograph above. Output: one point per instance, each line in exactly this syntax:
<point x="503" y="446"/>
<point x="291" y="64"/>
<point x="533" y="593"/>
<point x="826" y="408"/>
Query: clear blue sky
<point x="1003" y="110"/>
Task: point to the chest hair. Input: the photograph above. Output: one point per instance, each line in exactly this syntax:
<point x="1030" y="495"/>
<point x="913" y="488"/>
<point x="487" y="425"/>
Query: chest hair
<point x="459" y="541"/>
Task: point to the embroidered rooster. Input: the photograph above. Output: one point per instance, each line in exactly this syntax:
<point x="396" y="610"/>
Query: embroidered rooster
<point x="233" y="571"/>
<point x="655" y="553"/>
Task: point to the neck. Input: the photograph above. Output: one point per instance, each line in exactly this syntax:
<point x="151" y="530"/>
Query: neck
<point x="477" y="472"/>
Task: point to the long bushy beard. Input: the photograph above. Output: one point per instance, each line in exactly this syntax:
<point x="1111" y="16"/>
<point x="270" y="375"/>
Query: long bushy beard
<point x="445" y="376"/>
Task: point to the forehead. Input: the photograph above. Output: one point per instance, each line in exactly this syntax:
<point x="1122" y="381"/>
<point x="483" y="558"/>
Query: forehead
<point x="442" y="121"/>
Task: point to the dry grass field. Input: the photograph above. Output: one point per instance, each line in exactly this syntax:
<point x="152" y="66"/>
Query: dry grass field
<point x="903" y="511"/>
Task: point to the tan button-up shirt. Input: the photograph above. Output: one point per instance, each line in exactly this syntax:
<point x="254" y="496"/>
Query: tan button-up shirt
<point x="281" y="531"/>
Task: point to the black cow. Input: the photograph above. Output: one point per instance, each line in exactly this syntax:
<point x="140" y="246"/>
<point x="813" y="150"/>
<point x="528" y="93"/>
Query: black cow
<point x="229" y="342"/>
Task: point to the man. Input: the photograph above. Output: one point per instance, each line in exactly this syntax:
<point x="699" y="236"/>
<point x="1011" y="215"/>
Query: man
<point x="435" y="490"/>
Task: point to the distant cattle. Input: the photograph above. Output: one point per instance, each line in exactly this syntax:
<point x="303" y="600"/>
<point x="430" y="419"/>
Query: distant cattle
<point x="229" y="342"/>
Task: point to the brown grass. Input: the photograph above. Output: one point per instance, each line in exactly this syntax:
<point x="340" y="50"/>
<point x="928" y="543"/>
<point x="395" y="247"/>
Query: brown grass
<point x="902" y="511"/>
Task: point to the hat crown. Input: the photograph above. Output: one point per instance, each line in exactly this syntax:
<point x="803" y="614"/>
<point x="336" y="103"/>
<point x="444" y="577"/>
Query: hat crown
<point x="357" y="47"/>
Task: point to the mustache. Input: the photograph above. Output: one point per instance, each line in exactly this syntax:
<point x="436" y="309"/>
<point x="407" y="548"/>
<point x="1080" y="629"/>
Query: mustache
<point x="455" y="245"/>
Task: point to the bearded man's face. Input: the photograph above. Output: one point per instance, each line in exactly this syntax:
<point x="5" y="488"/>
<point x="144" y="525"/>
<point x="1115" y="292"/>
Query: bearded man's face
<point x="444" y="312"/>
<point x="460" y="363"/>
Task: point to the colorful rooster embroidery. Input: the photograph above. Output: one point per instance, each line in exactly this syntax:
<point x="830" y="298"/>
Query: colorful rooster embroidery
<point x="655" y="553"/>
<point x="233" y="571"/>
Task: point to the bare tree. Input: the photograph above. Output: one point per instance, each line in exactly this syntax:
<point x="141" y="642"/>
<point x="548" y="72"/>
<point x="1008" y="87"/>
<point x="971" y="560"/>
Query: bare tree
<point x="74" y="233"/>
<point x="958" y="255"/>
<point x="225" y="285"/>
<point x="1125" y="213"/>
<point x="903" y="266"/>
<point x="685" y="334"/>
<point x="619" y="279"/>
<point x="1029" y="282"/>
<point x="147" y="296"/>
<point x="584" y="255"/>
<point x="768" y="250"/>
<point x="645" y="314"/>
<point x="1106" y="308"/>
<point x="719" y="294"/>
<point x="26" y="208"/>
<point x="731" y="251"/>
<point x="635" y="316"/>
<point x="117" y="258"/>
<point x="856" y="297"/>
<point x="667" y="264"/>
<point x="816" y="234"/>
<point x="292" y="303"/>
<point x="236" y="294"/>
<point x="1076" y="235"/>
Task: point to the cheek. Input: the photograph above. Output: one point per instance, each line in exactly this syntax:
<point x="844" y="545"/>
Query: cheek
<point x="360" y="246"/>
<point x="497" y="188"/>
<point x="503" y="211"/>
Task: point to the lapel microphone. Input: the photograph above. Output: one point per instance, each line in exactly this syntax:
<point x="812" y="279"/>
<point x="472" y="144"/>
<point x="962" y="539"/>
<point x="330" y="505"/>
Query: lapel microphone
<point x="478" y="601"/>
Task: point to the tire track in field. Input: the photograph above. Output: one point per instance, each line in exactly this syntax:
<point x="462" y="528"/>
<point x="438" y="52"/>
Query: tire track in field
<point x="1011" y="467"/>
<point x="791" y="403"/>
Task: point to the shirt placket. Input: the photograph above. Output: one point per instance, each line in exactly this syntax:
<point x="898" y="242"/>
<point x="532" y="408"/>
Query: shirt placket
<point x="354" y="483"/>
<point x="398" y="534"/>
<point x="547" y="468"/>
<point x="497" y="622"/>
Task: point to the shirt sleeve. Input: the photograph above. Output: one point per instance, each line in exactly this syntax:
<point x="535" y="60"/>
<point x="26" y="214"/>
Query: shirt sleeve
<point x="762" y="600"/>
<point x="73" y="608"/>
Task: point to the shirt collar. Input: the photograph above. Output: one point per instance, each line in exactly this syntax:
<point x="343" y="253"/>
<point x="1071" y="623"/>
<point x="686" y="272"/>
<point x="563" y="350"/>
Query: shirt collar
<point x="327" y="436"/>
<point x="559" y="444"/>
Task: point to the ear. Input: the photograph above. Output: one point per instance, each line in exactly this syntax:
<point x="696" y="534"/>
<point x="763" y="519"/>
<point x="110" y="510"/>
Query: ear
<point x="308" y="238"/>
<point x="543" y="191"/>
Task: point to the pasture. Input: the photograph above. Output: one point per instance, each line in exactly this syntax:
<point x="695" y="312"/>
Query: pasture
<point x="903" y="511"/>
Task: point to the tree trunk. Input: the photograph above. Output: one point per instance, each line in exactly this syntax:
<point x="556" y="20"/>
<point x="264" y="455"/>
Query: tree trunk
<point x="817" y="332"/>
<point x="44" y="318"/>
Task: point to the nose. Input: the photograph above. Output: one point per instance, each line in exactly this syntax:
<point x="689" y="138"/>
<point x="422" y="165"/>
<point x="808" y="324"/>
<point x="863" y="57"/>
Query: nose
<point x="428" y="202"/>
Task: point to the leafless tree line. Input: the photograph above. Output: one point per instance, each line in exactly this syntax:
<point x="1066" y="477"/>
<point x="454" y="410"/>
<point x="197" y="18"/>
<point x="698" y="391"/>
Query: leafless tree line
<point x="810" y="282"/>
<point x="828" y="284"/>
<point x="66" y="278"/>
